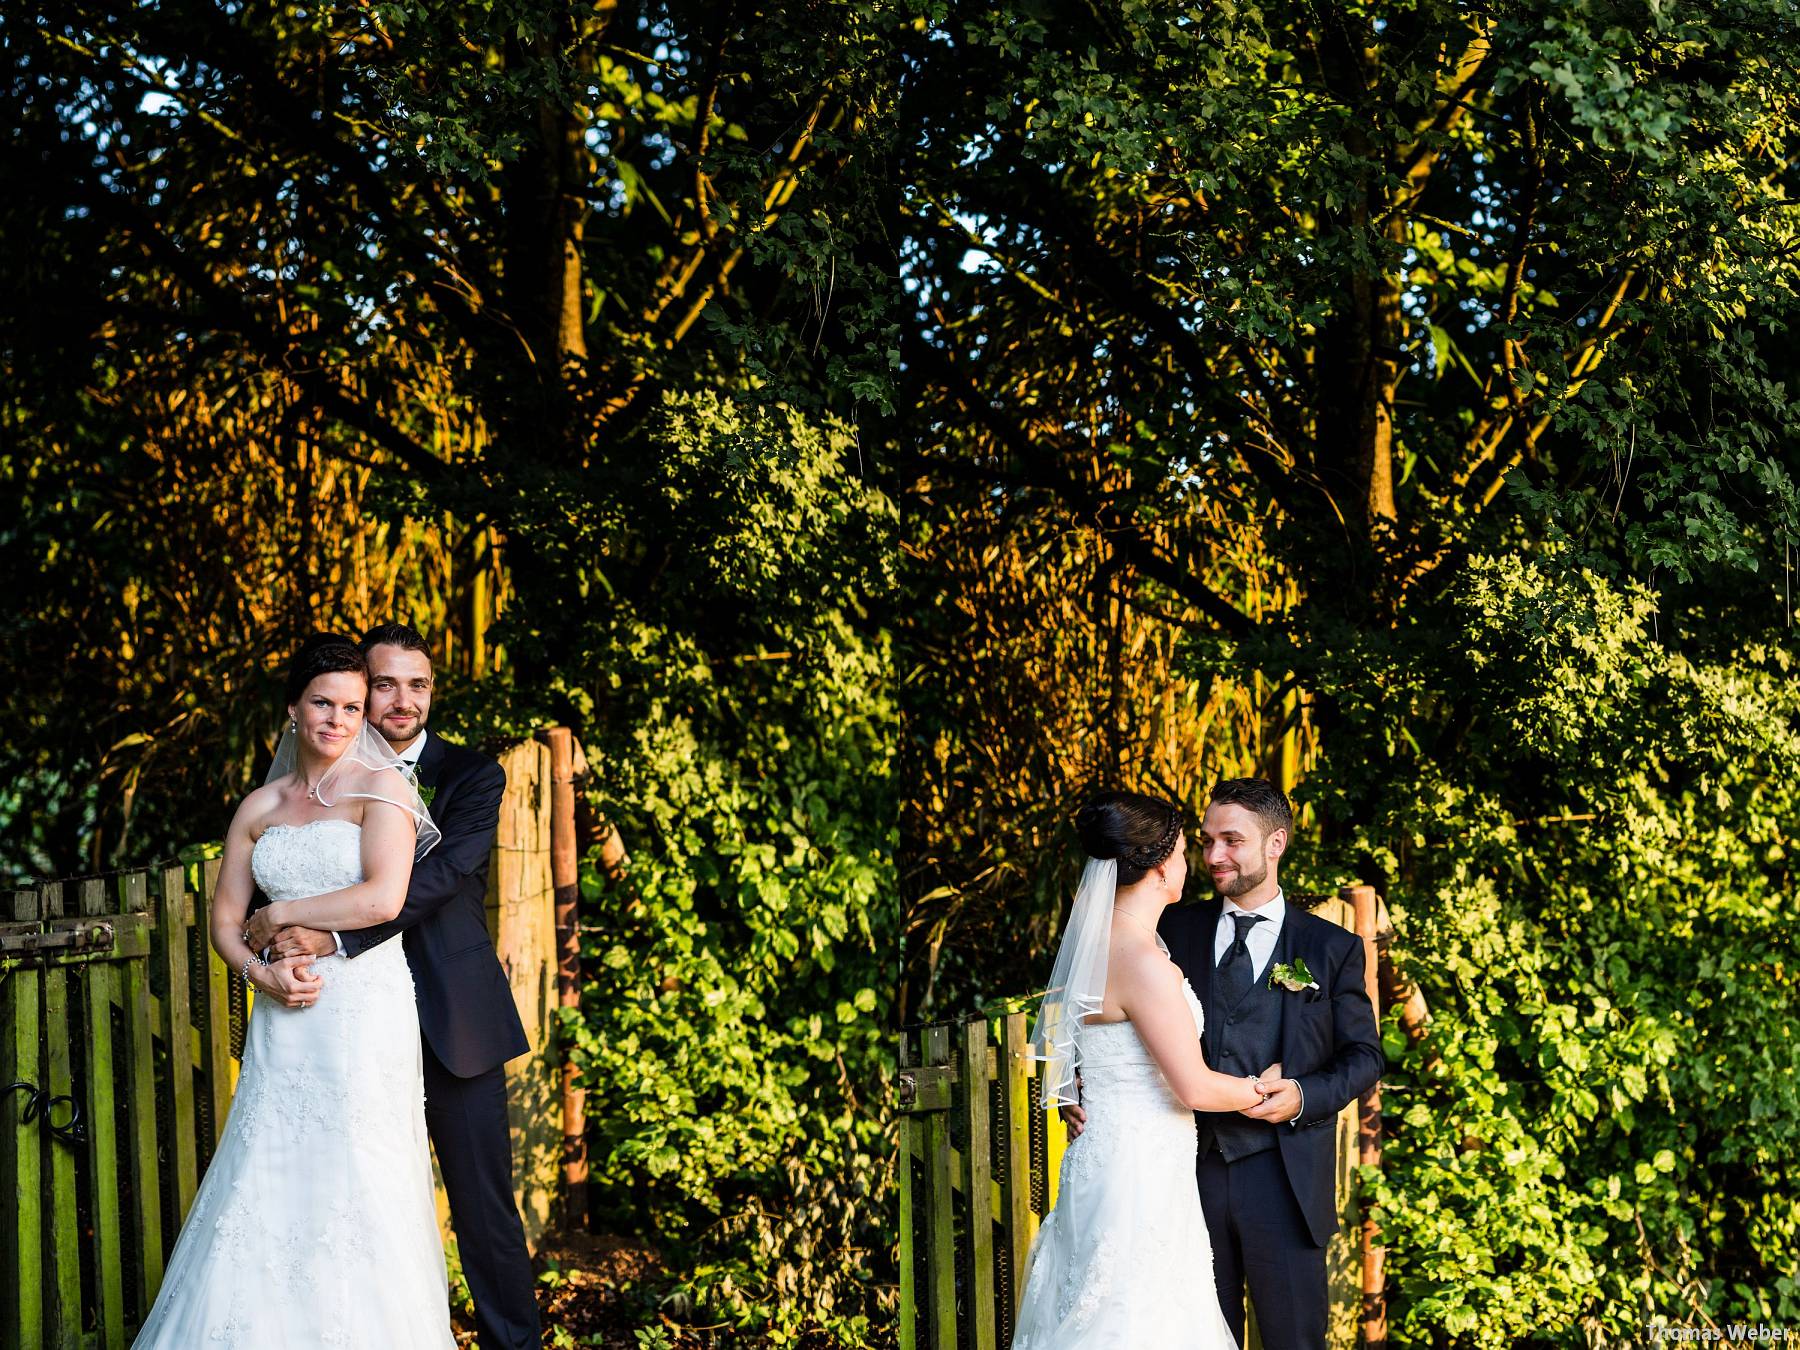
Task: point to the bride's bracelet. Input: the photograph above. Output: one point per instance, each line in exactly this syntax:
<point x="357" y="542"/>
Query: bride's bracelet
<point x="253" y="961"/>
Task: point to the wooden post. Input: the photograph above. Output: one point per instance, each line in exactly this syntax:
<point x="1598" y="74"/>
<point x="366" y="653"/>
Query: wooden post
<point x="1015" y="1186"/>
<point x="99" y="981"/>
<point x="64" y="1281"/>
<point x="21" y="1150"/>
<point x="140" y="1087"/>
<point x="940" y="1209"/>
<point x="1374" y="1310"/>
<point x="178" y="1035"/>
<point x="910" y="1129"/>
<point x="565" y="877"/>
<point x="215" y="1008"/>
<point x="977" y="1179"/>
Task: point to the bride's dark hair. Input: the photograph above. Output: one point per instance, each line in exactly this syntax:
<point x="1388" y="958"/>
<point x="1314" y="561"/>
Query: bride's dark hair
<point x="1139" y="831"/>
<point x="323" y="654"/>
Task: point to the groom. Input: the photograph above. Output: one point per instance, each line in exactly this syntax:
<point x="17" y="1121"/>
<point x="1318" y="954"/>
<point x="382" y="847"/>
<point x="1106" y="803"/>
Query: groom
<point x="469" y="1022"/>
<point x="1267" y="1176"/>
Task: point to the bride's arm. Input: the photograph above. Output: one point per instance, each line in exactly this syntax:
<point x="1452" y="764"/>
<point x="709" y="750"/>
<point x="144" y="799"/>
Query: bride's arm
<point x="387" y="858"/>
<point x="1148" y="987"/>
<point x="284" y="980"/>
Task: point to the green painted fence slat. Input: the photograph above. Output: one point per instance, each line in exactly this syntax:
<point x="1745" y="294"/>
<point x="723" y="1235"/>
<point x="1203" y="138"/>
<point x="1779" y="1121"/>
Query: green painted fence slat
<point x="1015" y="1174"/>
<point x="99" y="984"/>
<point x="909" y="1253"/>
<point x="977" y="1179"/>
<point x="140" y="1078"/>
<point x="940" y="1207"/>
<point x="177" y="1032"/>
<point x="21" y="1151"/>
<point x="64" y="1331"/>
<point x="215" y="1007"/>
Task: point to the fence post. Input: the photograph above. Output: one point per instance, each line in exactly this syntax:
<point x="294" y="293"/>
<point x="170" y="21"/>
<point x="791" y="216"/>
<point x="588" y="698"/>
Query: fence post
<point x="1015" y="1187"/>
<point x="565" y="877"/>
<point x="215" y="1008"/>
<point x="64" y="1235"/>
<point x="940" y="1207"/>
<point x="178" y="1037"/>
<point x="21" y="1150"/>
<point x="99" y="980"/>
<point x="978" y="1183"/>
<point x="1374" y="1304"/>
<point x="140" y="1089"/>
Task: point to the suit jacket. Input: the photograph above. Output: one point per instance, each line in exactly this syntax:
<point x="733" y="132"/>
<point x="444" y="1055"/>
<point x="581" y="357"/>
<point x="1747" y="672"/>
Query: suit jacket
<point x="1330" y="1044"/>
<point x="466" y="1008"/>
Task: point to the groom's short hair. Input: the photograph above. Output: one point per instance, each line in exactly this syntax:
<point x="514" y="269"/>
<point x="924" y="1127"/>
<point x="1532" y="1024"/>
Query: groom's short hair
<point x="394" y="635"/>
<point x="1260" y="797"/>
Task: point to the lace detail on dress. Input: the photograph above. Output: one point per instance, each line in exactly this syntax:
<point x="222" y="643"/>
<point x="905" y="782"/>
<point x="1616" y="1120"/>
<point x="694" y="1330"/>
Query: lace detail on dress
<point x="292" y="862"/>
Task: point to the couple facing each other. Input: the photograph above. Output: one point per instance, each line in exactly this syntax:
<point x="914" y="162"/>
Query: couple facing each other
<point x="1199" y="1054"/>
<point x="315" y="1223"/>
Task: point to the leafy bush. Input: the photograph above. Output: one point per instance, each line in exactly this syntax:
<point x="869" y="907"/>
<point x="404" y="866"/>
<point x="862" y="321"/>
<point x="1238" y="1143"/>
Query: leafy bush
<point x="1587" y="839"/>
<point x="732" y="687"/>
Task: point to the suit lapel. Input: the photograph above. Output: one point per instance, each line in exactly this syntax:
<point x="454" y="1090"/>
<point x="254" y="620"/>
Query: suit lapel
<point x="1283" y="945"/>
<point x="1292" y="945"/>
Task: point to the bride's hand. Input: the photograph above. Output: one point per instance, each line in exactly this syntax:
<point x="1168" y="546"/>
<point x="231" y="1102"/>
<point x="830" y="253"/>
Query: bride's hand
<point x="290" y="981"/>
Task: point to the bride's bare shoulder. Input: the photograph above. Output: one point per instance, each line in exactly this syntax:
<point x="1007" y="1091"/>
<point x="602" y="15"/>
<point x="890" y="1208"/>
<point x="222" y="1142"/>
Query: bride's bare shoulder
<point x="259" y="804"/>
<point x="1145" y="965"/>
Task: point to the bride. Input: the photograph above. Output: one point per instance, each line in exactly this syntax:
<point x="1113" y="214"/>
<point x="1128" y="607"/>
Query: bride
<point x="315" y="1224"/>
<point x="1124" y="1259"/>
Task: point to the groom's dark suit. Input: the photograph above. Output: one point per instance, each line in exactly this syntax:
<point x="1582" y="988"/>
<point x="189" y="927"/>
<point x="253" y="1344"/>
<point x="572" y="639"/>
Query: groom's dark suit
<point x="471" y="1028"/>
<point x="1273" y="1207"/>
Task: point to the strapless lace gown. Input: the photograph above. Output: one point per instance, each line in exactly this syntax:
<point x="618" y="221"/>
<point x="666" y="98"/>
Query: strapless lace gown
<point x="1123" y="1261"/>
<point x="315" y="1224"/>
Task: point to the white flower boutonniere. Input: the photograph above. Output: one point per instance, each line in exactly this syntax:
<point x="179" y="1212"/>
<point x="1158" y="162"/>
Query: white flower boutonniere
<point x="1292" y="976"/>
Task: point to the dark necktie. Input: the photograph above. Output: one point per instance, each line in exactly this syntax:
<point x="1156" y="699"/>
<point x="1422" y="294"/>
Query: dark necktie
<point x="1234" y="973"/>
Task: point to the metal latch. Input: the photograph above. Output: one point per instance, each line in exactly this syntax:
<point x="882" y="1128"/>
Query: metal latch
<point x="82" y="937"/>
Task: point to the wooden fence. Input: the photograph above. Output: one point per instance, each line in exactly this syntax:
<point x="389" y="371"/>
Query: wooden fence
<point x="120" y="1036"/>
<point x="978" y="1171"/>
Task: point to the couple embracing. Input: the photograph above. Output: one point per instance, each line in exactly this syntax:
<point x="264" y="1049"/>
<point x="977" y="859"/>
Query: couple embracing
<point x="315" y="1223"/>
<point x="1199" y="1055"/>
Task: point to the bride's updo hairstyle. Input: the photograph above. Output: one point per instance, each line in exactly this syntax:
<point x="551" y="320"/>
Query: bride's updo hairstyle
<point x="1136" y="830"/>
<point x="323" y="654"/>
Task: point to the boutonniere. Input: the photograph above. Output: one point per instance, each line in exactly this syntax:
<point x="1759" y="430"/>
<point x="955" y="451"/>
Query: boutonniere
<point x="1292" y="976"/>
<point x="426" y="794"/>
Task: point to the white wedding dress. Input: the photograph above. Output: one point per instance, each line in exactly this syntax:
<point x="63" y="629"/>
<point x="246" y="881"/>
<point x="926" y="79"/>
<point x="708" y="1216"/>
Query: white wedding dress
<point x="315" y="1224"/>
<point x="1123" y="1261"/>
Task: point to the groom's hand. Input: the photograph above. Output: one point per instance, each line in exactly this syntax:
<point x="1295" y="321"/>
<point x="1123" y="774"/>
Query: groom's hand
<point x="297" y="941"/>
<point x="1279" y="1104"/>
<point x="1074" y="1120"/>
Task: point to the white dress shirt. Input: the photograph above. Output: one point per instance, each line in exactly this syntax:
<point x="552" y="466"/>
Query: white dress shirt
<point x="412" y="752"/>
<point x="1260" y="942"/>
<point x="1262" y="937"/>
<point x="410" y="758"/>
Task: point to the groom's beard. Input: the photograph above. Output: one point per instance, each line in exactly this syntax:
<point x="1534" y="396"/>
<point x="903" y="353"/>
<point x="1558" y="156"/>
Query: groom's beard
<point x="1240" y="883"/>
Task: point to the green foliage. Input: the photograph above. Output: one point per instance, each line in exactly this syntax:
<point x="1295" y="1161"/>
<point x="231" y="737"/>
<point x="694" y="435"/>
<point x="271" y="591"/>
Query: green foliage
<point x="736" y="703"/>
<point x="1591" y="868"/>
